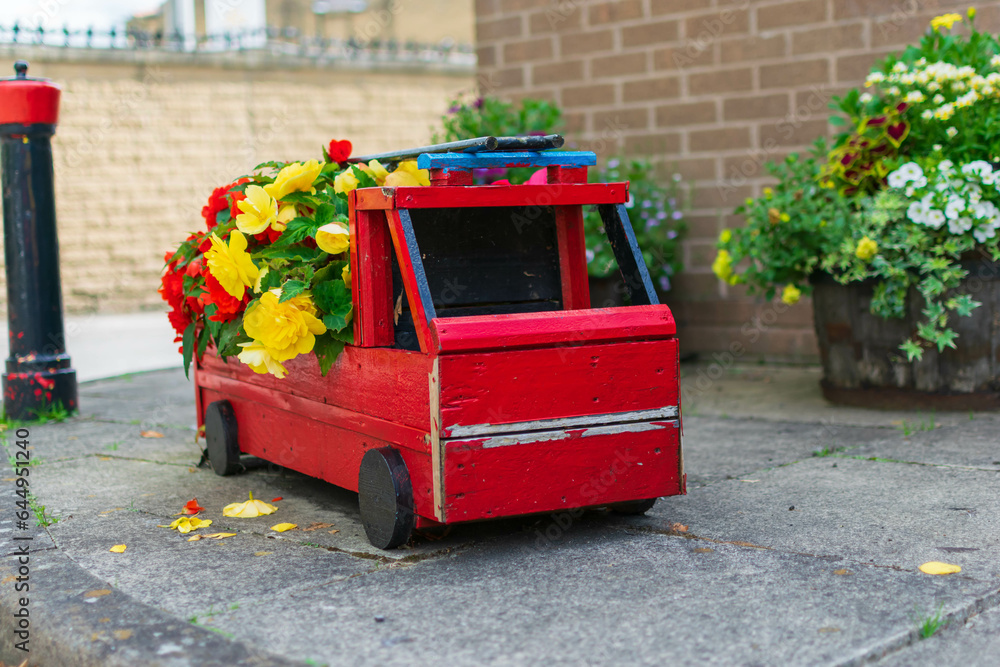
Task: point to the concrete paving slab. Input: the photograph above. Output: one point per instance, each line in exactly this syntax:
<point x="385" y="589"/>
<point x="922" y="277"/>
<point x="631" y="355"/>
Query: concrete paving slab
<point x="972" y="643"/>
<point x="77" y="438"/>
<point x="718" y="448"/>
<point x="163" y="398"/>
<point x="971" y="444"/>
<point x="883" y="513"/>
<point x="602" y="597"/>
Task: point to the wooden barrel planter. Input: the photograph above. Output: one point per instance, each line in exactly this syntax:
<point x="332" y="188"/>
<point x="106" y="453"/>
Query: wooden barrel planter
<point x="862" y="363"/>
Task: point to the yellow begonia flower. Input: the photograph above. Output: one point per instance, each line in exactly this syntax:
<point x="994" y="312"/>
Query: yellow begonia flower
<point x="286" y="214"/>
<point x="866" y="249"/>
<point x="260" y="278"/>
<point x="249" y="509"/>
<point x="407" y="174"/>
<point x="259" y="211"/>
<point x="284" y="329"/>
<point x="346" y="275"/>
<point x="791" y="294"/>
<point x="945" y="21"/>
<point x="375" y="170"/>
<point x="334" y="237"/>
<point x="231" y="265"/>
<point x="723" y="265"/>
<point x="186" y="524"/>
<point x="725" y="236"/>
<point x="344" y="182"/>
<point x="260" y="361"/>
<point x="296" y="177"/>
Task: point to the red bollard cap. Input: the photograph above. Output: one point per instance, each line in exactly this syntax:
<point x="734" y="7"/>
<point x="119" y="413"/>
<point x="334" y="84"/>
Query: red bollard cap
<point x="26" y="100"/>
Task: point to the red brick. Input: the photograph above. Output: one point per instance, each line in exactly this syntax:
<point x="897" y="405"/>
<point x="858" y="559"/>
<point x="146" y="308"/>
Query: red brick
<point x="653" y="144"/>
<point x="697" y="286"/>
<point x="554" y="19"/>
<point x="712" y="25"/>
<point x="791" y="13"/>
<point x="692" y="113"/>
<point x="509" y="6"/>
<point x="650" y="33"/>
<point x="486" y="56"/>
<point x="581" y="96"/>
<point x="719" y="139"/>
<point x="658" y="88"/>
<point x="752" y="47"/>
<point x="758" y="106"/>
<point x="615" y="12"/>
<point x="530" y="49"/>
<point x="899" y="30"/>
<point x="792" y="132"/>
<point x="829" y="38"/>
<point x="719" y="195"/>
<point x="620" y="120"/>
<point x="696" y="168"/>
<point x="677" y="6"/>
<point x="574" y="122"/>
<point x="586" y="42"/>
<point x="621" y="65"/>
<point x="503" y="28"/>
<point x="486" y="8"/>
<point x="720" y="81"/>
<point x="854" y="69"/>
<point x="512" y="77"/>
<point x="689" y="54"/>
<point x="799" y="73"/>
<point x="560" y="72"/>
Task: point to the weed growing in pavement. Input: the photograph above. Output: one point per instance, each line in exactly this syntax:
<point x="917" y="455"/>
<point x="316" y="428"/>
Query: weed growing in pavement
<point x="828" y="451"/>
<point x="929" y="625"/>
<point x="928" y="424"/>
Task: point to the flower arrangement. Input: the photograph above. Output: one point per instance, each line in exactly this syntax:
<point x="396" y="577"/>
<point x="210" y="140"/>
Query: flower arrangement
<point x="268" y="279"/>
<point x="900" y="198"/>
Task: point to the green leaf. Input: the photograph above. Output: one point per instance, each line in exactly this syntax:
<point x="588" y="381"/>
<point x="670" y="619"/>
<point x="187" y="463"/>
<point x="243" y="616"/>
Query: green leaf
<point x="946" y="338"/>
<point x="301" y="198"/>
<point x="331" y="271"/>
<point x="291" y="289"/>
<point x="230" y="337"/>
<point x="324" y="214"/>
<point x="346" y="335"/>
<point x="187" y="347"/>
<point x="912" y="350"/>
<point x="364" y="180"/>
<point x="327" y="349"/>
<point x="203" y="339"/>
<point x="300" y="253"/>
<point x="334" y="299"/>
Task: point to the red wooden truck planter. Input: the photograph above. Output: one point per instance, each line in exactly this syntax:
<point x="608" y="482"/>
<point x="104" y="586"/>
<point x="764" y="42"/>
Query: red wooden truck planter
<point x="481" y="384"/>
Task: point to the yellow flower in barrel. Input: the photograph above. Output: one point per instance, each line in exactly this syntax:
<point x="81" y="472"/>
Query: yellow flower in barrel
<point x="286" y="213"/>
<point x="284" y="329"/>
<point x="334" y="237"/>
<point x="375" y="170"/>
<point x="344" y="182"/>
<point x="945" y="21"/>
<point x="258" y="211"/>
<point x="407" y="175"/>
<point x="231" y="265"/>
<point x="866" y="249"/>
<point x="723" y="265"/>
<point x="791" y="294"/>
<point x="296" y="177"/>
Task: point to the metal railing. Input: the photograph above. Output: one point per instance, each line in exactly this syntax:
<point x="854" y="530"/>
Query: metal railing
<point x="277" y="41"/>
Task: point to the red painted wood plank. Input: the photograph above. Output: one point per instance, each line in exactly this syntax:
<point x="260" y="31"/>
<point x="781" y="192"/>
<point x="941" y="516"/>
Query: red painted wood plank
<point x="373" y="198"/>
<point x="385" y="383"/>
<point x="572" y="258"/>
<point x="557" y="174"/>
<point x="413" y="297"/>
<point x="312" y="410"/>
<point x="583" y="468"/>
<point x="567" y="327"/>
<point x="313" y="447"/>
<point x="450" y="177"/>
<point x="371" y="278"/>
<point x="543" y="384"/>
<point x="558" y="194"/>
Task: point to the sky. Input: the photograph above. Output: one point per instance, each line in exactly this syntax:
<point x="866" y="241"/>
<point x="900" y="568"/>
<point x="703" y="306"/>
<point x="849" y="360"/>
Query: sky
<point x="77" y="14"/>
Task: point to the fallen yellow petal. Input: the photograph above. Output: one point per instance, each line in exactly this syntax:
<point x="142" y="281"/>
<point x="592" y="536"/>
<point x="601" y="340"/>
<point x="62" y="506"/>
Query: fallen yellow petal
<point x="282" y="527"/>
<point x="186" y="524"/>
<point x="195" y="538"/>
<point x="118" y="548"/>
<point x="936" y="567"/>
<point x="151" y="434"/>
<point x="249" y="509"/>
<point x="219" y="536"/>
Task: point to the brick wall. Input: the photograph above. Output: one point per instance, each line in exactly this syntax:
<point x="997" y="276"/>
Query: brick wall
<point x="715" y="88"/>
<point x="142" y="143"/>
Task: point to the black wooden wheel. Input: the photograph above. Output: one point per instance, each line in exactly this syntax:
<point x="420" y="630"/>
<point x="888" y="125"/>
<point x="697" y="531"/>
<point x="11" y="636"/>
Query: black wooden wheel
<point x="386" y="498"/>
<point x="634" y="506"/>
<point x="222" y="436"/>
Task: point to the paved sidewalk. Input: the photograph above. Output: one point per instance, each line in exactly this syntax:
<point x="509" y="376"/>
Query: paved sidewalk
<point x="798" y="543"/>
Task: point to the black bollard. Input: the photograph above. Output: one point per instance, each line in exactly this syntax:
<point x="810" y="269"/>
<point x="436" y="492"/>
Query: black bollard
<point x="38" y="376"/>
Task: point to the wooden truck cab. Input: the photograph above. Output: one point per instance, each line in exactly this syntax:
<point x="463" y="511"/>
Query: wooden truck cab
<point x="481" y="384"/>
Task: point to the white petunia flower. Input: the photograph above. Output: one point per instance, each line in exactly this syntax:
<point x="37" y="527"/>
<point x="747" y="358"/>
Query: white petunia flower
<point x="978" y="167"/>
<point x="951" y="132"/>
<point x="955" y="207"/>
<point x="935" y="218"/>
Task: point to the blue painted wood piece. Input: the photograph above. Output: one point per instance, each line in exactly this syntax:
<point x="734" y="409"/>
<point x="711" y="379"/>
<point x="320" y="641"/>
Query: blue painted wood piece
<point x="504" y="159"/>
